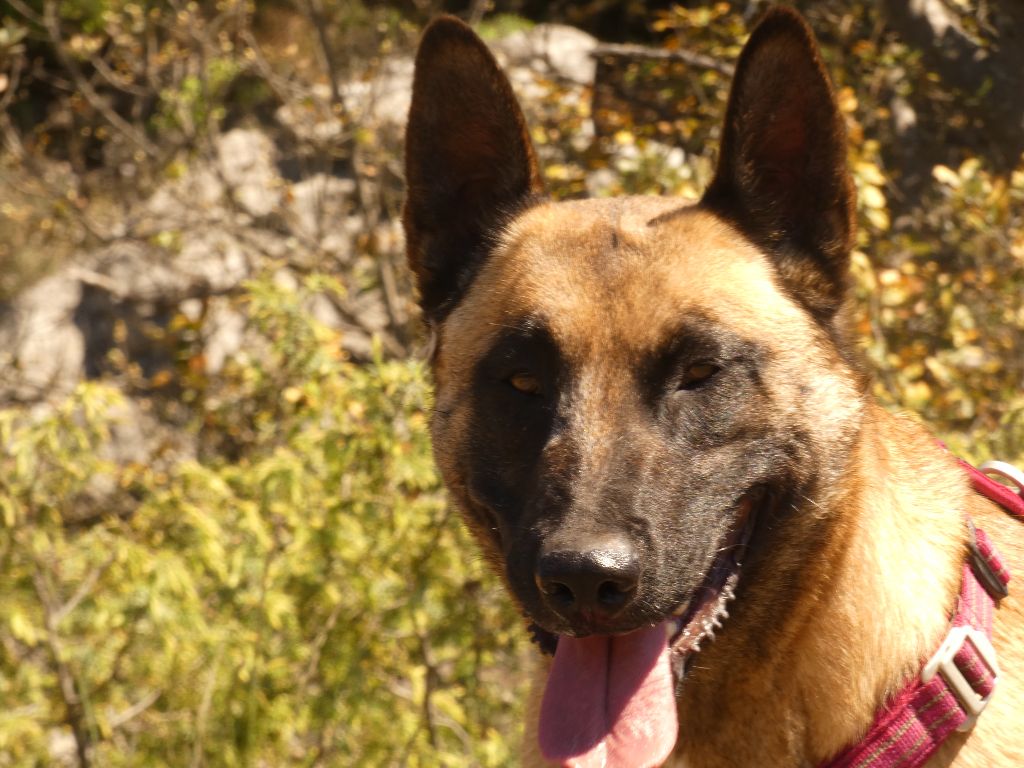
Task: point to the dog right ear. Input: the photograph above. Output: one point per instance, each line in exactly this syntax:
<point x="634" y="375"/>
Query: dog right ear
<point x="782" y="172"/>
<point x="469" y="163"/>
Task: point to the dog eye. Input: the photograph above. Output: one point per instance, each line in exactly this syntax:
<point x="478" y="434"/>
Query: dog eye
<point x="526" y="383"/>
<point x="698" y="374"/>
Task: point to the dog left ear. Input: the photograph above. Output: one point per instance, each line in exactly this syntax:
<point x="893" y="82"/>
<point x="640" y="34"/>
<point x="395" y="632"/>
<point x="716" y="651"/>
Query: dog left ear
<point x="782" y="173"/>
<point x="469" y="163"/>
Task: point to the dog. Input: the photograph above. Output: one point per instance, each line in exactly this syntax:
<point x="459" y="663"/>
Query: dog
<point x="653" y="417"/>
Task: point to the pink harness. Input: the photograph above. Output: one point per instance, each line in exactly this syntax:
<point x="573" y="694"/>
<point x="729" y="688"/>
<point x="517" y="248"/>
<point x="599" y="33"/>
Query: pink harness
<point x="956" y="684"/>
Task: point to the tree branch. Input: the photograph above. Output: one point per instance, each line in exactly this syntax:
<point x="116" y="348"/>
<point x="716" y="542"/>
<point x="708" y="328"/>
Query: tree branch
<point x="661" y="54"/>
<point x="69" y="689"/>
<point x="51" y="22"/>
<point x="991" y="73"/>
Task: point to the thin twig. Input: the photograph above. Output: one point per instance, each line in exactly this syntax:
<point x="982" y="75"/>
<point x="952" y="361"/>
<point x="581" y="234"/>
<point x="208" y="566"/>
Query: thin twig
<point x="26" y="11"/>
<point x="318" y="646"/>
<point x="136" y="709"/>
<point x="69" y="688"/>
<point x="116" y="80"/>
<point x="51" y="22"/>
<point x="430" y="679"/>
<point x="203" y="713"/>
<point x="13" y="80"/>
<point x="14" y="145"/>
<point x="83" y="591"/>
<point x="661" y="54"/>
<point x="315" y="14"/>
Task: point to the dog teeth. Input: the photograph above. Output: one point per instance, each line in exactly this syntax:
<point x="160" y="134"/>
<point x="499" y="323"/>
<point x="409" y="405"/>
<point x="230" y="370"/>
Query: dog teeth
<point x="690" y="638"/>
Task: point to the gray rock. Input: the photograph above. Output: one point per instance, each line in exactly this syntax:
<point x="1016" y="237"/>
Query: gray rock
<point x="208" y="260"/>
<point x="247" y="161"/>
<point x="196" y="197"/>
<point x="60" y="331"/>
<point x="368" y="308"/>
<point x="318" y="211"/>
<point x="555" y="49"/>
<point x="212" y="261"/>
<point x="42" y="348"/>
<point x="137" y="436"/>
<point x="384" y="98"/>
<point x="223" y="334"/>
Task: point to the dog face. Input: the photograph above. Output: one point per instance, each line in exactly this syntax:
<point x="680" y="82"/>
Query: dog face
<point x="636" y="395"/>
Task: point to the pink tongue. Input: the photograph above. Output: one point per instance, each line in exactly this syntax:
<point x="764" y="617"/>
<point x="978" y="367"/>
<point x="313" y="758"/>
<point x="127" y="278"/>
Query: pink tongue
<point x="609" y="702"/>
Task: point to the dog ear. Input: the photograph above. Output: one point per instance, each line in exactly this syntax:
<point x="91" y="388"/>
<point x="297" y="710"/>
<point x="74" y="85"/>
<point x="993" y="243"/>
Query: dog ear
<point x="782" y="173"/>
<point x="469" y="163"/>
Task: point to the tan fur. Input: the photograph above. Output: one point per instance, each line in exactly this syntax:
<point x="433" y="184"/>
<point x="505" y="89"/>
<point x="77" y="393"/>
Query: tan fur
<point x="893" y="569"/>
<point x="609" y="279"/>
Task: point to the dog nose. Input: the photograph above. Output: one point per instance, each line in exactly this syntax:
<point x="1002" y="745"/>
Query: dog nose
<point x="596" y="579"/>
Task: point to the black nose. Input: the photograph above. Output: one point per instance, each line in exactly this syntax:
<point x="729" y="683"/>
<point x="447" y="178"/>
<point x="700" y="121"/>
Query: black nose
<point x="595" y="578"/>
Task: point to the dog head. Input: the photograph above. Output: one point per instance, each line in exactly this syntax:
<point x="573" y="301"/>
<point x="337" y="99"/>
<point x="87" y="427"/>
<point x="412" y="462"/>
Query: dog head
<point x="636" y="395"/>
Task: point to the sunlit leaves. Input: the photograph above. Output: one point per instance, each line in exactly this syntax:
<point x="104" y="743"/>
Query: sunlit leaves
<point x="311" y="596"/>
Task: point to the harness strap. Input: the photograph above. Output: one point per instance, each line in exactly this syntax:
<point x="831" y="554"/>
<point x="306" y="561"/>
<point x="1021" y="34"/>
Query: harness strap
<point x="1012" y="502"/>
<point x="957" y="682"/>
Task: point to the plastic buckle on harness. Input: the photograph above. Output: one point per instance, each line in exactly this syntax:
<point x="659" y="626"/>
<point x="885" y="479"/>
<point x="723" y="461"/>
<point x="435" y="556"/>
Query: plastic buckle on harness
<point x="943" y="662"/>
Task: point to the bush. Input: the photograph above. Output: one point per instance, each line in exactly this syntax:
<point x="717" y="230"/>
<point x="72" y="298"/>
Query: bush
<point x="306" y="602"/>
<point x="295" y="591"/>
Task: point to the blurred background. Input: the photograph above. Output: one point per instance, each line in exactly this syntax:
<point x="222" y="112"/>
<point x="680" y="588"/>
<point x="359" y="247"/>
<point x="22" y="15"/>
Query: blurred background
<point x="222" y="539"/>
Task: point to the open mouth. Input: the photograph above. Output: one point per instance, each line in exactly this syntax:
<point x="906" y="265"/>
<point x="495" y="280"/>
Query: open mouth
<point x="611" y="699"/>
<point x="698" y="619"/>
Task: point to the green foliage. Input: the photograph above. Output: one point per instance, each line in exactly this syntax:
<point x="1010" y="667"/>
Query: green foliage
<point x="939" y="279"/>
<point x="296" y="592"/>
<point x="307" y="601"/>
<point x="947" y="327"/>
<point x="502" y="25"/>
<point x="197" y="99"/>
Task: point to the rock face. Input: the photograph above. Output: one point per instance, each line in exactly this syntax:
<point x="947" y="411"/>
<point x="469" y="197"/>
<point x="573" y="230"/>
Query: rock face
<point x="549" y="51"/>
<point x="186" y="250"/>
<point x="383" y="99"/>
<point x="42" y="349"/>
<point x="192" y="243"/>
<point x="247" y="161"/>
<point x="555" y="50"/>
<point x="197" y="238"/>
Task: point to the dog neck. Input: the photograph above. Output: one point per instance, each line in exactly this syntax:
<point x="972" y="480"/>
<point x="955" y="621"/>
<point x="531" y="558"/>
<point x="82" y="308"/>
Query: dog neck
<point x="874" y="604"/>
<point x="896" y="583"/>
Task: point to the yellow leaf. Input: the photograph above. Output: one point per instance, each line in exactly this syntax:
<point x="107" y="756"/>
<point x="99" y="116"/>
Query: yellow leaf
<point x="878" y="218"/>
<point x="969" y="167"/>
<point x="557" y="171"/>
<point x="22" y="629"/>
<point x="872" y="197"/>
<point x="847" y="100"/>
<point x="939" y="370"/>
<point x="889" y="276"/>
<point x="945" y="175"/>
<point x="1017" y="247"/>
<point x="917" y="395"/>
<point x="870" y="173"/>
